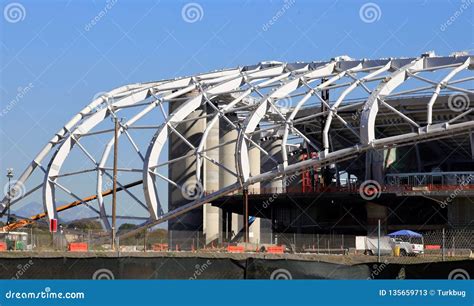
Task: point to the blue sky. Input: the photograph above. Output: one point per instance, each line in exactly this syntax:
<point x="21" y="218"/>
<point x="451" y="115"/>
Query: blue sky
<point x="68" y="60"/>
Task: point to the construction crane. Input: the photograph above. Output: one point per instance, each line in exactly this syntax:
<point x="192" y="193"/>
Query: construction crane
<point x="32" y="219"/>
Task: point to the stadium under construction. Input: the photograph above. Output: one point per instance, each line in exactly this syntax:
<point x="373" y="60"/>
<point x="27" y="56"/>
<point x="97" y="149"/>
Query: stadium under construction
<point x="254" y="152"/>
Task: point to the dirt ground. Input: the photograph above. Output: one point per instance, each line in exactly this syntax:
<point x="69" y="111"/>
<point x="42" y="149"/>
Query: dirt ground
<point x="339" y="259"/>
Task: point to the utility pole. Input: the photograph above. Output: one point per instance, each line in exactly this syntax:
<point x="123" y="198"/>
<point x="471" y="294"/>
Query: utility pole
<point x="114" y="194"/>
<point x="9" y="176"/>
<point x="326" y="180"/>
<point x="378" y="241"/>
<point x="246" y="214"/>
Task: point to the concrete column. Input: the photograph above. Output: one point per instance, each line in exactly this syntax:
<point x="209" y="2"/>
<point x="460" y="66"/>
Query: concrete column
<point x="254" y="160"/>
<point x="184" y="173"/>
<point x="375" y="165"/>
<point x="293" y="182"/>
<point x="212" y="216"/>
<point x="227" y="159"/>
<point x="227" y="152"/>
<point x="273" y="147"/>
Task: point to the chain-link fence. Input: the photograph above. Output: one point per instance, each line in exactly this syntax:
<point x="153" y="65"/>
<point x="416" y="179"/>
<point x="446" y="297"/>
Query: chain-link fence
<point x="440" y="243"/>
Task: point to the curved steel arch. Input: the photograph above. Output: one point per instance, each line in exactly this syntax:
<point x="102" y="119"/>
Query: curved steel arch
<point x="253" y="92"/>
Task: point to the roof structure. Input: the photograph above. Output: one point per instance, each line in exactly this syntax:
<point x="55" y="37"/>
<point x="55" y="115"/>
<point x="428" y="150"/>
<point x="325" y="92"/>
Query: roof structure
<point x="266" y="99"/>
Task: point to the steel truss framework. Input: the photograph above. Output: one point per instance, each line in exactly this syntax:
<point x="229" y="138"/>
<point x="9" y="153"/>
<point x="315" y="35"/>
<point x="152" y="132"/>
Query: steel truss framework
<point x="269" y="98"/>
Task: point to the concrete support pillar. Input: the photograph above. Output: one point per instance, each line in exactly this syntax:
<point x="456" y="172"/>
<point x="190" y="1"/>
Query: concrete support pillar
<point x="184" y="173"/>
<point x="227" y="152"/>
<point x="212" y="216"/>
<point x="374" y="165"/>
<point x="294" y="182"/>
<point x="254" y="159"/>
<point x="273" y="147"/>
<point x="227" y="159"/>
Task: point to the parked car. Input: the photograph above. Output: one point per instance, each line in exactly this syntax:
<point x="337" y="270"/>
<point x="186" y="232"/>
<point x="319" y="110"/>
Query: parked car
<point x="408" y="247"/>
<point x="410" y="242"/>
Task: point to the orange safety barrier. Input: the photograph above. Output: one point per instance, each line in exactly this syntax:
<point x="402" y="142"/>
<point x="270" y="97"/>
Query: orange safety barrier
<point x="160" y="247"/>
<point x="3" y="246"/>
<point x="78" y="247"/>
<point x="432" y="247"/>
<point x="278" y="249"/>
<point x="235" y="249"/>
